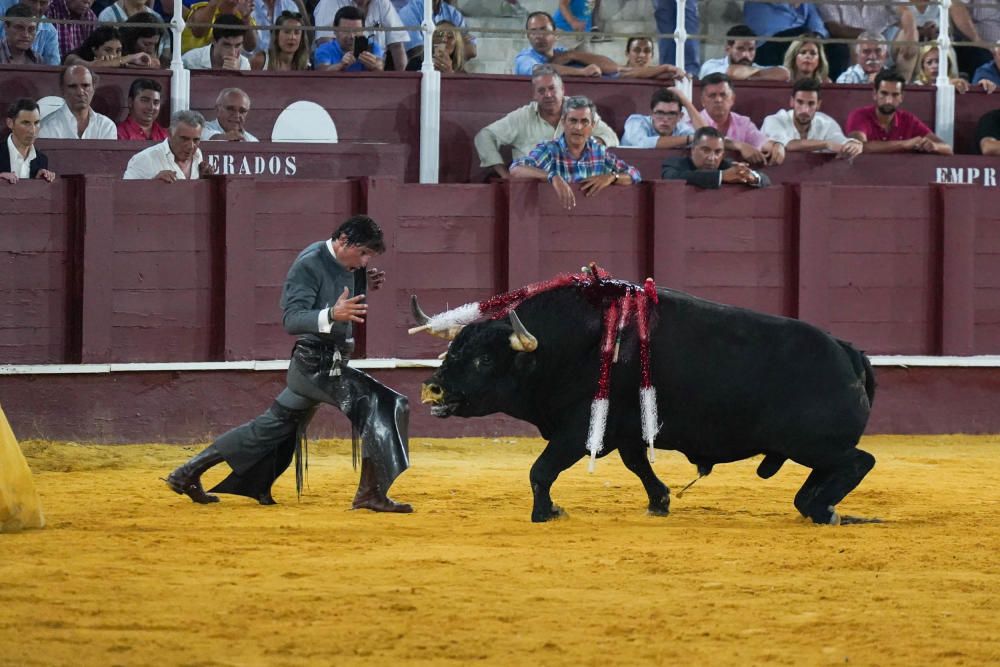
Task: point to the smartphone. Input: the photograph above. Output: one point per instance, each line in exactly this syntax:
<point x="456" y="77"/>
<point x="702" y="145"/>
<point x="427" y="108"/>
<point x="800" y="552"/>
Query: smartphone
<point x="360" y="45"/>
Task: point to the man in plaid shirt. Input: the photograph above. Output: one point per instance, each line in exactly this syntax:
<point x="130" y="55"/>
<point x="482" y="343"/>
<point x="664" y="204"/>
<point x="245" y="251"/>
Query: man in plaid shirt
<point x="71" y="36"/>
<point x="575" y="157"/>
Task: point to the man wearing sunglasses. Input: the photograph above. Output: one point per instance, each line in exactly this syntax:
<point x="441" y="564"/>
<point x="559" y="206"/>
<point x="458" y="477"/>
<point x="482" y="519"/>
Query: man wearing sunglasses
<point x="665" y="126"/>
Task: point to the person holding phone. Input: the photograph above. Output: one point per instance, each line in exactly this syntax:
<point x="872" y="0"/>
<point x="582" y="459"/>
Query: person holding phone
<point x="351" y="51"/>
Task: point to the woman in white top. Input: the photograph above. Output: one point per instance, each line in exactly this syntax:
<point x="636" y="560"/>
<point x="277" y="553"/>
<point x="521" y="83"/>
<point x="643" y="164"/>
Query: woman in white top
<point x="288" y="49"/>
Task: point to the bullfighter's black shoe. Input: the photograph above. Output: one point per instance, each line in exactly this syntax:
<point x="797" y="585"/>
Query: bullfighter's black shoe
<point x="187" y="478"/>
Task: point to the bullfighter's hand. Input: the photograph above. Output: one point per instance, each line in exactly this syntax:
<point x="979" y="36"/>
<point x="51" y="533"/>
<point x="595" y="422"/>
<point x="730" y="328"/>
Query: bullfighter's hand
<point x="167" y="176"/>
<point x="349" y="308"/>
<point x="376" y="278"/>
<point x="8" y="176"/>
<point x="591" y="186"/>
<point x="206" y="168"/>
<point x="46" y="175"/>
<point x="564" y="192"/>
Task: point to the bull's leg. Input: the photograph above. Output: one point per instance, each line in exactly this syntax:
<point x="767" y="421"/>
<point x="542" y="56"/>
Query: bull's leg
<point x="556" y="457"/>
<point x="828" y="485"/>
<point x="634" y="457"/>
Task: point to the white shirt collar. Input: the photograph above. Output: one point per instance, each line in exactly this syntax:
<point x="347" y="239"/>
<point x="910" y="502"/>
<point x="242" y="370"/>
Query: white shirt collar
<point x="20" y="166"/>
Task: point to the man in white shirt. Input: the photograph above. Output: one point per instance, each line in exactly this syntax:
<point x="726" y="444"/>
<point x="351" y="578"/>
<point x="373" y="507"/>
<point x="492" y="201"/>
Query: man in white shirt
<point x="176" y="158"/>
<point x="378" y="14"/>
<point x="75" y="119"/>
<point x="804" y="127"/>
<point x="737" y="64"/>
<point x="872" y="56"/>
<point x="18" y="158"/>
<point x="225" y="51"/>
<point x="231" y="108"/>
<point x="528" y="126"/>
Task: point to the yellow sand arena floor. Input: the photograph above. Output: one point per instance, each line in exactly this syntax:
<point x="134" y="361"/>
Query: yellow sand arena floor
<point x="128" y="573"/>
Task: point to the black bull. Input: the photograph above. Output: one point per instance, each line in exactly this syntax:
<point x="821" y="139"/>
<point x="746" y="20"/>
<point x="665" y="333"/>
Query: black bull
<point x="731" y="384"/>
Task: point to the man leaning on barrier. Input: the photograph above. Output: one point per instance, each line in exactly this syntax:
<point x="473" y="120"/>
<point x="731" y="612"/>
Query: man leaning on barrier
<point x="176" y="158"/>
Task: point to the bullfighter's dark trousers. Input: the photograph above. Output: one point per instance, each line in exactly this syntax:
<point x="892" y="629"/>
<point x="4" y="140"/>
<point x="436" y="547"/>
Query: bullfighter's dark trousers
<point x="316" y="374"/>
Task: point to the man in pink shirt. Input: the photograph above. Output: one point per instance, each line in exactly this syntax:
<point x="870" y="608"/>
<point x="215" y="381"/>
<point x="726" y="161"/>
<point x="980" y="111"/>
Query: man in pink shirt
<point x="143" y="110"/>
<point x="717" y="99"/>
<point x="885" y="128"/>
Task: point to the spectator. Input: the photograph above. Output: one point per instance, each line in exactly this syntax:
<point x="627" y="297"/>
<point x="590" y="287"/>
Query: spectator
<point x="376" y="14"/>
<point x="717" y="99"/>
<point x="103" y="48"/>
<point x="351" y="51"/>
<point x="639" y="53"/>
<point x="176" y="157"/>
<point x="666" y="126"/>
<point x="873" y="22"/>
<point x="231" y="109"/>
<point x="929" y="65"/>
<point x="72" y="35"/>
<point x="16" y="47"/>
<point x="288" y="51"/>
<point x="543" y="50"/>
<point x="46" y="43"/>
<point x="20" y="159"/>
<point x="75" y="119"/>
<point x="738" y="63"/>
<point x="781" y="19"/>
<point x="412" y="13"/>
<point x="448" y="48"/>
<point x="984" y="26"/>
<point x="805" y="58"/>
<point x="144" y="38"/>
<point x="885" y="128"/>
<point x="143" y="110"/>
<point x="804" y="127"/>
<point x="988" y="133"/>
<point x="871" y="54"/>
<point x="225" y="51"/>
<point x="538" y="121"/>
<point x="575" y="157"/>
<point x="989" y="71"/>
<point x="122" y="10"/>
<point x="209" y="13"/>
<point x="708" y="167"/>
<point x="267" y="12"/>
<point x="578" y="16"/>
<point x="665" y="15"/>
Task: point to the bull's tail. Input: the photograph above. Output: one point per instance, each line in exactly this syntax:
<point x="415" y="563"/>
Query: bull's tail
<point x="862" y="368"/>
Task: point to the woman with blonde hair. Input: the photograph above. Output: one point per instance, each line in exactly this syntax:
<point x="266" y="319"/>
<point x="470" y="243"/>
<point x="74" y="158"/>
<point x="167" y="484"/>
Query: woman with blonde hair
<point x="805" y="59"/>
<point x="448" y="50"/>
<point x="929" y="65"/>
<point x="289" y="48"/>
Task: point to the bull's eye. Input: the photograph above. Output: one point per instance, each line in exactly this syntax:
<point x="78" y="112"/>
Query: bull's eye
<point x="485" y="361"/>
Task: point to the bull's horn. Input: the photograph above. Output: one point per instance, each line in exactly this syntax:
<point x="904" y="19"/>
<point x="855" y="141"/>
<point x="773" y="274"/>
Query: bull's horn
<point x="418" y="315"/>
<point x="521" y="340"/>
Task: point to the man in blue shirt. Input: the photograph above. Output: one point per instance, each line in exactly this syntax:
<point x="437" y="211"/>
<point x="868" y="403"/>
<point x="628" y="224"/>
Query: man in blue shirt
<point x="338" y="55"/>
<point x="46" y="44"/>
<point x="543" y="51"/>
<point x="665" y="14"/>
<point x="413" y="14"/>
<point x="665" y="126"/>
<point x="781" y="19"/>
<point x="991" y="70"/>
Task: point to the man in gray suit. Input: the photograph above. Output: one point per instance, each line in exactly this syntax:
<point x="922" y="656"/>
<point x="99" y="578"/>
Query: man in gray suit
<point x="707" y="166"/>
<point x="323" y="296"/>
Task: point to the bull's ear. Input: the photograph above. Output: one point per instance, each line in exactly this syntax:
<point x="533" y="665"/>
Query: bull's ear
<point x="521" y="340"/>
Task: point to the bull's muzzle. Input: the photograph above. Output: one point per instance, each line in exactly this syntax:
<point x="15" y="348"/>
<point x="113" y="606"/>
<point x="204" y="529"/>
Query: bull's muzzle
<point x="431" y="393"/>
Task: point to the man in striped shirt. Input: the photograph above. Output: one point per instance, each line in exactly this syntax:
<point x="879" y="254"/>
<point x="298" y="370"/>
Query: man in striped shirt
<point x="575" y="157"/>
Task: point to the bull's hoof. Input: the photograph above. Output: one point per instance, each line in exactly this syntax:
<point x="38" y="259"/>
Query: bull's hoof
<point x="660" y="507"/>
<point x="541" y="516"/>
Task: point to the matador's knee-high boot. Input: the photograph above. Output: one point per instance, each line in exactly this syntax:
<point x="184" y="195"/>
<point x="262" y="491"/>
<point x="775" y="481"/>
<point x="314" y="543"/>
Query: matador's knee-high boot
<point x="371" y="496"/>
<point x="187" y="478"/>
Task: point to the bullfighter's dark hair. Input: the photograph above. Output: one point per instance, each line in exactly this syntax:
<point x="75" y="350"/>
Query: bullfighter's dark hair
<point x="227" y="25"/>
<point x="552" y="21"/>
<point x="807" y="84"/>
<point x="361" y="230"/>
<point x="349" y="12"/>
<point x="890" y="75"/>
<point x="140" y="85"/>
<point x="666" y="95"/>
<point x="705" y="132"/>
<point x="23" y="104"/>
<point x="715" y="78"/>
<point x="739" y="31"/>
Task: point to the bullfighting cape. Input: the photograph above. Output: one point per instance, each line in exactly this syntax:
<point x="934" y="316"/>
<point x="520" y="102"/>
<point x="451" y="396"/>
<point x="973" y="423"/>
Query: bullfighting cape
<point x="19" y="505"/>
